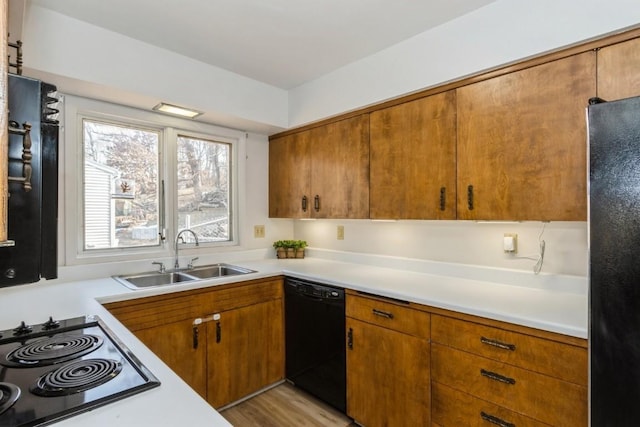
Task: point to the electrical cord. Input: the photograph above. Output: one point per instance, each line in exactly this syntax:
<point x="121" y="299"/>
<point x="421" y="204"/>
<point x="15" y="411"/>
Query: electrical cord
<point x="539" y="258"/>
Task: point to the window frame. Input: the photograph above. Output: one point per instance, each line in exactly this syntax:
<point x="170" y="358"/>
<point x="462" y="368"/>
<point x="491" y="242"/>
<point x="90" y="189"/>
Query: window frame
<point x="74" y="110"/>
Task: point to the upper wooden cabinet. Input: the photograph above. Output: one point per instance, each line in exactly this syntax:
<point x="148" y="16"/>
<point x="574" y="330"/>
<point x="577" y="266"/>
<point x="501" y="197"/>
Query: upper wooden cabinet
<point x="322" y="172"/>
<point x="413" y="159"/>
<point x="618" y="70"/>
<point x="289" y="176"/>
<point x="522" y="143"/>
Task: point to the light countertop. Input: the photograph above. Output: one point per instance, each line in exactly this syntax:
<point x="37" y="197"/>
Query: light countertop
<point x="561" y="309"/>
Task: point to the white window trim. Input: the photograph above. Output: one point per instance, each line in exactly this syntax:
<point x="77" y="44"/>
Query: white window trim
<point x="71" y="155"/>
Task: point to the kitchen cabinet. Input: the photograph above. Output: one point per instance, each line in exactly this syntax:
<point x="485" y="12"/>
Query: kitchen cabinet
<point x="245" y="349"/>
<point x="486" y="373"/>
<point x="322" y="172"/>
<point x="387" y="363"/>
<point x="222" y="359"/>
<point x="413" y="159"/>
<point x="521" y="143"/>
<point x="618" y="66"/>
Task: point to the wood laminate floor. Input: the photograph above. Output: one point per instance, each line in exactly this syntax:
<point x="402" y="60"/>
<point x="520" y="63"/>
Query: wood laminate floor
<point x="285" y="406"/>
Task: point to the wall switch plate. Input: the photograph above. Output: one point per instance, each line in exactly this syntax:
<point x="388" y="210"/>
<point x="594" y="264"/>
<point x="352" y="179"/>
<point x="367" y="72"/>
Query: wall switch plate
<point x="340" y="234"/>
<point x="510" y="243"/>
<point x="258" y="231"/>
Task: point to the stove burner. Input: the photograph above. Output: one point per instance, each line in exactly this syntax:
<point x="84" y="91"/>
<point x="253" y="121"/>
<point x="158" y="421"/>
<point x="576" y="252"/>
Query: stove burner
<point x="76" y="377"/>
<point x="9" y="394"/>
<point x="56" y="349"/>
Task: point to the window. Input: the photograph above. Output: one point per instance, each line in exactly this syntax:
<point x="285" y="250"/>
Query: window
<point x="133" y="179"/>
<point x="121" y="191"/>
<point x="203" y="181"/>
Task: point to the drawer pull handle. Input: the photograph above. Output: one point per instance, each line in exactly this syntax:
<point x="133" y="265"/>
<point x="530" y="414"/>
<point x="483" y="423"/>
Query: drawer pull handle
<point x="350" y="339"/>
<point x="495" y="420"/>
<point x="495" y="343"/>
<point x="497" y="377"/>
<point x="384" y="314"/>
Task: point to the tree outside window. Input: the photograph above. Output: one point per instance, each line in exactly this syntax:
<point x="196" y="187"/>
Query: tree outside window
<point x="203" y="183"/>
<point x="121" y="191"/>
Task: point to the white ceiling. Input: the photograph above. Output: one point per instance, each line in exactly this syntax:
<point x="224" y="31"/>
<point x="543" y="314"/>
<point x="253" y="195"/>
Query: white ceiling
<point x="284" y="43"/>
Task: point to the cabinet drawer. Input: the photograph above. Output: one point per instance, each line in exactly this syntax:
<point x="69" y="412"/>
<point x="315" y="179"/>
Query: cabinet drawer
<point x="388" y="315"/>
<point x="151" y="312"/>
<point x="240" y="296"/>
<point x="564" y="361"/>
<point x="454" y="408"/>
<point x="538" y="396"/>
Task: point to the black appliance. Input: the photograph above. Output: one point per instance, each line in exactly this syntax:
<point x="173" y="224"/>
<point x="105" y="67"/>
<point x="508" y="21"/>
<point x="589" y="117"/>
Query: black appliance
<point x="614" y="246"/>
<point x="315" y="340"/>
<point x="58" y="369"/>
<point x="33" y="213"/>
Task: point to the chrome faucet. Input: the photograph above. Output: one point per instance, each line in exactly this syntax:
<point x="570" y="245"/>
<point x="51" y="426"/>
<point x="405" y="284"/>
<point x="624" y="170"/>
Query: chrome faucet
<point x="176" y="265"/>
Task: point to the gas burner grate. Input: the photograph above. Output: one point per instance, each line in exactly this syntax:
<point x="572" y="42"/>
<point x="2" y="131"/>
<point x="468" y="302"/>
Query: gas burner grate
<point x="9" y="394"/>
<point x="49" y="351"/>
<point x="76" y="377"/>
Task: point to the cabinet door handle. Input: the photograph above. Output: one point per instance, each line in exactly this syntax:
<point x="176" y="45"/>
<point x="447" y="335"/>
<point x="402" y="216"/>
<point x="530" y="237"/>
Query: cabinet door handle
<point x="470" y="197"/>
<point x="443" y="198"/>
<point x="218" y="332"/>
<point x="195" y="337"/>
<point x="316" y="203"/>
<point x="497" y="377"/>
<point x="350" y="339"/>
<point x="304" y="203"/>
<point x="498" y="344"/>
<point x="384" y="314"/>
<point x="495" y="420"/>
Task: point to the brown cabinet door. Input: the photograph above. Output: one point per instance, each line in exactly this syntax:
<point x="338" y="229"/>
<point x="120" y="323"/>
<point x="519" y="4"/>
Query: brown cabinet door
<point x="413" y="159"/>
<point x="522" y="143"/>
<point x="245" y="351"/>
<point x="173" y="343"/>
<point x="619" y="70"/>
<point x="290" y="176"/>
<point x="340" y="169"/>
<point x="387" y="377"/>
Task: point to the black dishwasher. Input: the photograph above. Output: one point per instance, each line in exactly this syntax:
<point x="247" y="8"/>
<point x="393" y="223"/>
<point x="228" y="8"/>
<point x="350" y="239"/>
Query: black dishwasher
<point x="315" y="340"/>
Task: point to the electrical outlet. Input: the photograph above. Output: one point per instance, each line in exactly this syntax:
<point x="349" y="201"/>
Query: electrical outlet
<point x="510" y="244"/>
<point x="340" y="232"/>
<point x="258" y="231"/>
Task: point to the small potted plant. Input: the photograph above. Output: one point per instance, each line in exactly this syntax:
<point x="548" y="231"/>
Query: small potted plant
<point x="299" y="247"/>
<point x="290" y="248"/>
<point x="281" y="248"/>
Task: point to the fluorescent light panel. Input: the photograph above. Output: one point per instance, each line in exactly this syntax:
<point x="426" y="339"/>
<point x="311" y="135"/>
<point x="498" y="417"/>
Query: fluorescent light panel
<point x="176" y="110"/>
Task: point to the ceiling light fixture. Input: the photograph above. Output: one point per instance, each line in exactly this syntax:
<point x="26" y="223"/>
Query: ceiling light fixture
<point x="176" y="110"/>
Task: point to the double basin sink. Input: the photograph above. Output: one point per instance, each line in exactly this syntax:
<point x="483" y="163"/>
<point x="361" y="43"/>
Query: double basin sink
<point x="154" y="279"/>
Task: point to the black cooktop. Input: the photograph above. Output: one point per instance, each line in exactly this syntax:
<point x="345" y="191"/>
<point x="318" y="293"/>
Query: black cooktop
<point x="58" y="369"/>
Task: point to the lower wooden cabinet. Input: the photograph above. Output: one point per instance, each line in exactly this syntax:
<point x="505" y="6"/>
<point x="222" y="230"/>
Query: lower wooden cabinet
<point x="173" y="343"/>
<point x="387" y="368"/>
<point x="483" y="374"/>
<point x="245" y="351"/>
<point x="229" y="357"/>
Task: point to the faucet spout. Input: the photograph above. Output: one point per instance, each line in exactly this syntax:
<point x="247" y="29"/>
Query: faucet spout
<point x="176" y="264"/>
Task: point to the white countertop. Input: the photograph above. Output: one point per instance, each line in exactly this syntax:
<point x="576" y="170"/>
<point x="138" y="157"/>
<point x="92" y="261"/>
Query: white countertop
<point x="562" y="309"/>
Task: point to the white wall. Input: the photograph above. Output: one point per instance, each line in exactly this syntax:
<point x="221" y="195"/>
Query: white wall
<point x="466" y="242"/>
<point x="86" y="60"/>
<point x="499" y="33"/>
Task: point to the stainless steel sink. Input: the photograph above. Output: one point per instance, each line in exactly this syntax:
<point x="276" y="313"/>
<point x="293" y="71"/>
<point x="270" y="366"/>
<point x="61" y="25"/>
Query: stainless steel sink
<point x="217" y="270"/>
<point x="149" y="280"/>
<point x="155" y="279"/>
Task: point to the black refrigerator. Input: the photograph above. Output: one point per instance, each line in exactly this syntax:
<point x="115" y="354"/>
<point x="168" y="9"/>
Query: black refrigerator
<point x="614" y="252"/>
